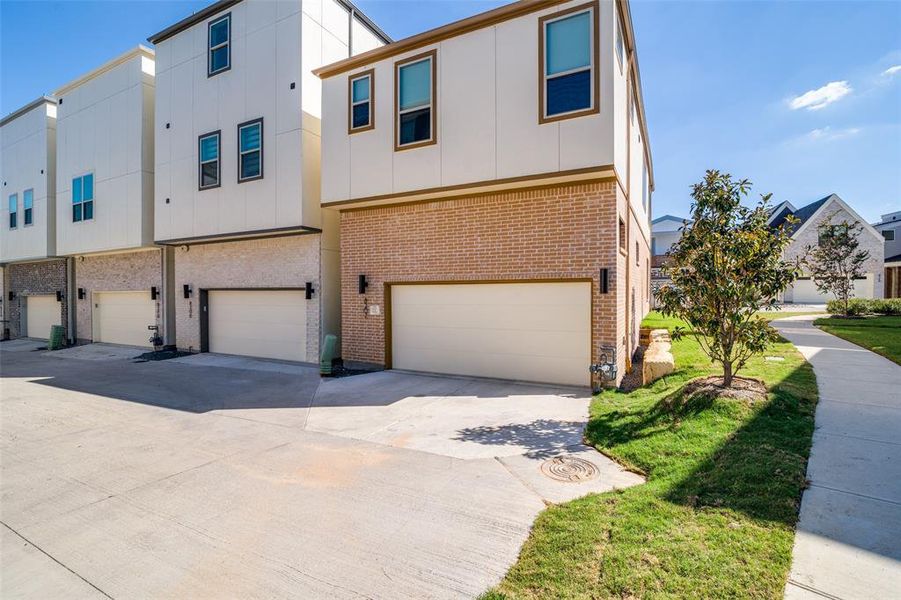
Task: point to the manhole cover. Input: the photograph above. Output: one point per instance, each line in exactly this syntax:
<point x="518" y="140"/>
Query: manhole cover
<point x="569" y="469"/>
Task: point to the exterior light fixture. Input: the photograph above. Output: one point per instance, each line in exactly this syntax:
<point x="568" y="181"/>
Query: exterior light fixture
<point x="59" y="296"/>
<point x="153" y="293"/>
<point x="186" y="290"/>
<point x="362" y="284"/>
<point x="605" y="281"/>
<point x="308" y="290"/>
<point x="81" y="293"/>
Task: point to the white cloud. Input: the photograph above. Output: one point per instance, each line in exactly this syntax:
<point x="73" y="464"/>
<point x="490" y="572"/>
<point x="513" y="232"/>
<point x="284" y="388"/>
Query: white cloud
<point x="827" y="134"/>
<point x="821" y="97"/>
<point x="891" y="71"/>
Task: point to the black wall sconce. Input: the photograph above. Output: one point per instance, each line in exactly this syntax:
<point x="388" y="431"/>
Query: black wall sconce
<point x="362" y="284"/>
<point x="605" y="281"/>
<point x="12" y="295"/>
<point x="308" y="289"/>
<point x="186" y="290"/>
<point x="81" y="293"/>
<point x="59" y="296"/>
<point x="153" y="293"/>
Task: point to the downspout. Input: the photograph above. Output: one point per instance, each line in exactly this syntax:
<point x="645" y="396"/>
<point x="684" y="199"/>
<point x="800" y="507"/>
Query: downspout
<point x="70" y="301"/>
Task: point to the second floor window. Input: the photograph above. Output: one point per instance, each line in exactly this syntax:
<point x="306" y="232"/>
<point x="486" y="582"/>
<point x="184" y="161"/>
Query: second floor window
<point x="219" y="45"/>
<point x="28" y="206"/>
<point x="569" y="70"/>
<point x="250" y="150"/>
<point x="13" y="211"/>
<point x="889" y="235"/>
<point x="361" y="115"/>
<point x="83" y="198"/>
<point x="208" y="155"/>
<point x="415" y="94"/>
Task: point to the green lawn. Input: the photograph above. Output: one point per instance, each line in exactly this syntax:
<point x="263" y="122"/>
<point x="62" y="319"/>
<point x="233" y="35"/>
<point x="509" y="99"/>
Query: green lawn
<point x="658" y="321"/>
<point x="882" y="335"/>
<point x="716" y="517"/>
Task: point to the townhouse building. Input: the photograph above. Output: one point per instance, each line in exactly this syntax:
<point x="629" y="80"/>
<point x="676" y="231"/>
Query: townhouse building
<point x="493" y="178"/>
<point x="104" y="203"/>
<point x="35" y="291"/>
<point x="237" y="163"/>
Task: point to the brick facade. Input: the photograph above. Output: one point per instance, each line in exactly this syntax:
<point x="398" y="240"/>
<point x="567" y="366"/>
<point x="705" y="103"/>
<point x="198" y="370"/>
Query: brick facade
<point x="33" y="279"/>
<point x="256" y="263"/>
<point x="564" y="232"/>
<point x="131" y="271"/>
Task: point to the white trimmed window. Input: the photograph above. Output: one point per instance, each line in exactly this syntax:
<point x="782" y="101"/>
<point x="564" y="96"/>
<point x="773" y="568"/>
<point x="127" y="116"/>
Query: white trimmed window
<point x="13" y="211"/>
<point x="83" y="198"/>
<point x="28" y="206"/>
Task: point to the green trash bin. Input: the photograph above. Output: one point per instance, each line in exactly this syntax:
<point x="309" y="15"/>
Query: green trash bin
<point x="57" y="338"/>
<point x="326" y="359"/>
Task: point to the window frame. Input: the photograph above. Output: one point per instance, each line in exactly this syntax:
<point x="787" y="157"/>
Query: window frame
<point x="370" y="74"/>
<point x="227" y="44"/>
<point x="13" y="222"/>
<point x="200" y="161"/>
<point x="593" y="68"/>
<point x="27" y="211"/>
<point x="619" y="41"/>
<point x="433" y="100"/>
<point x="83" y="201"/>
<point x="241" y="153"/>
<point x="888" y="235"/>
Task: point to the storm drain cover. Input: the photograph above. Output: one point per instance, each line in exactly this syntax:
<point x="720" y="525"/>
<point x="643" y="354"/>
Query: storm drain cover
<point x="569" y="469"/>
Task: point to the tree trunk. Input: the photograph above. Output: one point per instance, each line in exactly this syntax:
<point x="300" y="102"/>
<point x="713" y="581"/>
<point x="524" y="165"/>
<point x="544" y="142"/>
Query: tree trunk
<point x="727" y="374"/>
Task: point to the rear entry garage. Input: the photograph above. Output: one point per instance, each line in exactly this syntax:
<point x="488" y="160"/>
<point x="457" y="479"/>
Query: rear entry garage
<point x="261" y="323"/>
<point x="522" y="331"/>
<point x="123" y="317"/>
<point x="41" y="313"/>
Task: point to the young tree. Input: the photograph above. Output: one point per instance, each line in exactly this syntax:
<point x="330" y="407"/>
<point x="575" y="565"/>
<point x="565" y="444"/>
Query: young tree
<point x="725" y="268"/>
<point x="835" y="262"/>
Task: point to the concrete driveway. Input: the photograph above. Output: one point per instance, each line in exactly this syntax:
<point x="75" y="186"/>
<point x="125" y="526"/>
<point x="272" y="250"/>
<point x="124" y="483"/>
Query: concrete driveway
<point x="210" y="477"/>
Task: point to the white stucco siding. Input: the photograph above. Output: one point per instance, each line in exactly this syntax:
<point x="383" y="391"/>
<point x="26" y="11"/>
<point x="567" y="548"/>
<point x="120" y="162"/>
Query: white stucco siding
<point x="103" y="130"/>
<point x="487" y="118"/>
<point x="27" y="145"/>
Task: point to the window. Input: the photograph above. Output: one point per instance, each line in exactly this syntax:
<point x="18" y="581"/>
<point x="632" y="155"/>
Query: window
<point x="622" y="235"/>
<point x="209" y="161"/>
<point x="568" y="43"/>
<point x="620" y="46"/>
<point x="28" y="206"/>
<point x="361" y="114"/>
<point x="250" y="150"/>
<point x="889" y="235"/>
<point x="645" y="188"/>
<point x="219" y="45"/>
<point x="13" y="210"/>
<point x="637" y="251"/>
<point x="415" y="98"/>
<point x="83" y="198"/>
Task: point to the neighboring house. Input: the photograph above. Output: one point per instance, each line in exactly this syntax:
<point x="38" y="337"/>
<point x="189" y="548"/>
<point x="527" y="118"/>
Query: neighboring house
<point x="237" y="130"/>
<point x="104" y="202"/>
<point x="665" y="231"/>
<point x="805" y="233"/>
<point x="494" y="181"/>
<point x="35" y="290"/>
<point x="890" y="228"/>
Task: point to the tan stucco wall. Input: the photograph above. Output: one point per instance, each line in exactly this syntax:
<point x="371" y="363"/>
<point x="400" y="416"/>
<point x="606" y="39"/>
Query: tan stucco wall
<point x="260" y="263"/>
<point x="833" y="212"/>
<point x="128" y="271"/>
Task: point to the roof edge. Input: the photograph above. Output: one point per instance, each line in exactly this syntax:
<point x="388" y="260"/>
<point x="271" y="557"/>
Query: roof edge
<point x="27" y="108"/>
<point x="139" y="50"/>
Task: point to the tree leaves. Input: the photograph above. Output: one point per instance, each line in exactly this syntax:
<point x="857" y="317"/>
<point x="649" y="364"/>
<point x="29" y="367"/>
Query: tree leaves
<point x="836" y="262"/>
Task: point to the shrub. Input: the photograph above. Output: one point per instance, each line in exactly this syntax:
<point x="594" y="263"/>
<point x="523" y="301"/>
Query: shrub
<point x="865" y="306"/>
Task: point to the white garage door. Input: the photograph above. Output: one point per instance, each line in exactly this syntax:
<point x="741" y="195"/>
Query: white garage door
<point x="806" y="292"/>
<point x="264" y="323"/>
<point x="523" y="331"/>
<point x="123" y="317"/>
<point x="41" y="312"/>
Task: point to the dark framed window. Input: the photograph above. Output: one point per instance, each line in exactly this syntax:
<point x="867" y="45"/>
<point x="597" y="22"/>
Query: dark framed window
<point x="13" y="211"/>
<point x="250" y="150"/>
<point x="83" y="198"/>
<point x="415" y="101"/>
<point x="28" y="206"/>
<point x="209" y="161"/>
<point x="889" y="235"/>
<point x="219" y="53"/>
<point x="361" y="102"/>
<point x="568" y="44"/>
<point x="623" y="238"/>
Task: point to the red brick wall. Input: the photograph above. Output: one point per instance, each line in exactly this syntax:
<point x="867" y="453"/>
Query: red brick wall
<point x="563" y="232"/>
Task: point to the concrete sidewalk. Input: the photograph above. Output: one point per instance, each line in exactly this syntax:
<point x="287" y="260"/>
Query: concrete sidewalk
<point x="848" y="542"/>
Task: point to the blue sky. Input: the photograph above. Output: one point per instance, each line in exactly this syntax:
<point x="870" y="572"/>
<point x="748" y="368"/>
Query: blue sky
<point x="800" y="97"/>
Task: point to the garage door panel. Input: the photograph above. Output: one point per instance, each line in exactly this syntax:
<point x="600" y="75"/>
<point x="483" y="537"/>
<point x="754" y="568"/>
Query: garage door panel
<point x="42" y="312"/>
<point x="527" y="331"/>
<point x="804" y="291"/>
<point x="123" y="317"/>
<point x="263" y="323"/>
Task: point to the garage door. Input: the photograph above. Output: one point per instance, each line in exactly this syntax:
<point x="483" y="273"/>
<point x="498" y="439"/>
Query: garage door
<point x="264" y="323"/>
<point x="123" y="317"/>
<point x="523" y="331"/>
<point x="41" y="312"/>
<point x="805" y="291"/>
